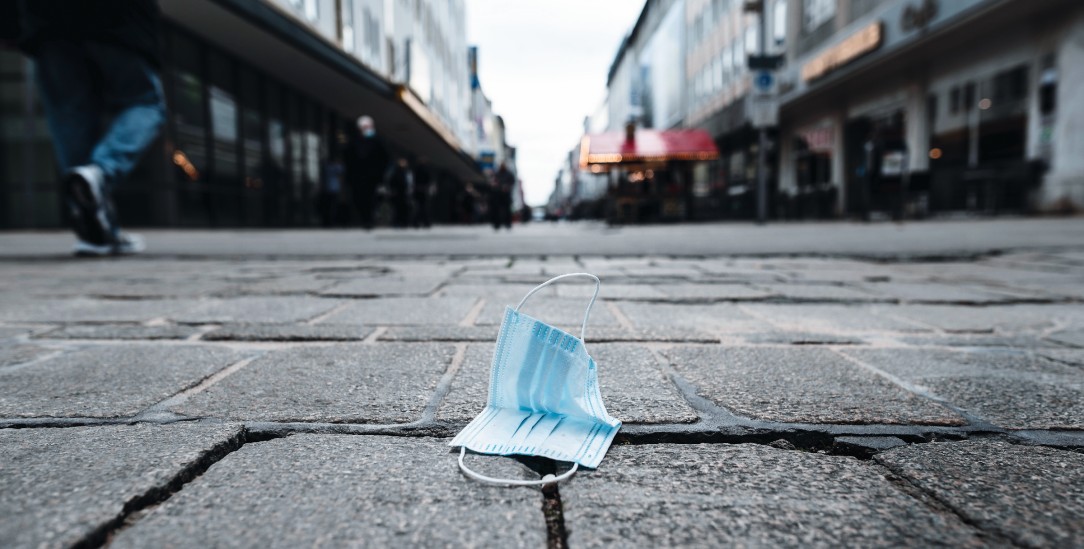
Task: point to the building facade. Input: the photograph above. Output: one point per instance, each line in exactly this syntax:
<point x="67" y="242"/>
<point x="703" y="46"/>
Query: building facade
<point x="909" y="107"/>
<point x="261" y="95"/>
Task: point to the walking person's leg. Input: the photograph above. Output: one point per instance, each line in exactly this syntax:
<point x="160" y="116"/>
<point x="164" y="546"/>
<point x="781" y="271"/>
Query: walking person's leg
<point x="71" y="99"/>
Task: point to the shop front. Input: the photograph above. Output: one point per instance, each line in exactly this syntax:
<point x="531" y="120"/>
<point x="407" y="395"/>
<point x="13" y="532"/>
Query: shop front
<point x="654" y="176"/>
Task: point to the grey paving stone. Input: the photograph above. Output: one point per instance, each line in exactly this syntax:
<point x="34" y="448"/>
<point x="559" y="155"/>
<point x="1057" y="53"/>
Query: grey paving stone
<point x="346" y="383"/>
<point x="13" y="331"/>
<point x="707" y="292"/>
<point x="1071" y="356"/>
<point x="800" y="338"/>
<point x="346" y="491"/>
<point x="937" y="292"/>
<point x="869" y="444"/>
<point x="288" y="332"/>
<point x="830" y="319"/>
<point x="633" y="388"/>
<point x="440" y="333"/>
<point x="21" y="354"/>
<point x="718" y="317"/>
<point x="140" y="284"/>
<point x="419" y="286"/>
<point x="1011" y="389"/>
<point x="289" y="284"/>
<point x="1005" y="318"/>
<point x="954" y="339"/>
<point x="88" y="310"/>
<point x="801" y="385"/>
<point x="398" y="311"/>
<point x="1031" y="495"/>
<point x="256" y="310"/>
<point x="1073" y="338"/>
<point x="596" y="334"/>
<point x="508" y="294"/>
<point x="664" y="495"/>
<point x="107" y="381"/>
<point x="119" y="331"/>
<point x="58" y="486"/>
<point x="611" y="291"/>
<point x="558" y="311"/>
<point x="818" y="292"/>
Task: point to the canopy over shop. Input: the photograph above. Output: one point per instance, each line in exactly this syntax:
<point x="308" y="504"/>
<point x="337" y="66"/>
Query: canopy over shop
<point x="651" y="171"/>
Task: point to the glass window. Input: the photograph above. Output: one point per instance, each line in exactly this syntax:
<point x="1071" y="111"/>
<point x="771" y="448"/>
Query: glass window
<point x="816" y="13"/>
<point x="312" y="10"/>
<point x="954" y="100"/>
<point x="752" y="39"/>
<point x="348" y="25"/>
<point x="779" y="22"/>
<point x="190" y="154"/>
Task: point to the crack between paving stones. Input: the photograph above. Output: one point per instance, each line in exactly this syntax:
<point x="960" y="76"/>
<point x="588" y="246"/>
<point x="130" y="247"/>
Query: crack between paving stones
<point x="554" y="514"/>
<point x="899" y="480"/>
<point x="137" y="506"/>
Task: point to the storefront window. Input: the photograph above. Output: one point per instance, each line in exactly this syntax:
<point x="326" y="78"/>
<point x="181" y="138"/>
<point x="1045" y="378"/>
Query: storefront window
<point x="816" y="13"/>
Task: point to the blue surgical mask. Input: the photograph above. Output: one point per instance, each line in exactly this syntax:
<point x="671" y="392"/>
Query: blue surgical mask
<point x="544" y="398"/>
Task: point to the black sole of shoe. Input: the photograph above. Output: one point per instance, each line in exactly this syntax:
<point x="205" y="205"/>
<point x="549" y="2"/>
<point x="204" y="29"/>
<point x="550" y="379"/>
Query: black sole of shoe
<point x="85" y="212"/>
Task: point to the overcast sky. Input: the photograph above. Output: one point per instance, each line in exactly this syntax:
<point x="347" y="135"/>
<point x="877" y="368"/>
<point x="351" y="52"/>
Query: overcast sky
<point x="543" y="63"/>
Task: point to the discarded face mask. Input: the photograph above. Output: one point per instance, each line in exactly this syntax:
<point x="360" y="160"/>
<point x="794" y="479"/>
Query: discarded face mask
<point x="544" y="398"/>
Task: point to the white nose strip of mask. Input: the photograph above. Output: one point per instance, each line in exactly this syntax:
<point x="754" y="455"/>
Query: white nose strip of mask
<point x="544" y="398"/>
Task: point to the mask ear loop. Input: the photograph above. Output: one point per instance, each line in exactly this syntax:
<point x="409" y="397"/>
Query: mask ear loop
<point x="575" y="466"/>
<point x="511" y="482"/>
<point x="586" y="315"/>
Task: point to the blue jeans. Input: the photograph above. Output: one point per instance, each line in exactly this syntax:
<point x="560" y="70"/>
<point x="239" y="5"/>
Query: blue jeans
<point x="104" y="105"/>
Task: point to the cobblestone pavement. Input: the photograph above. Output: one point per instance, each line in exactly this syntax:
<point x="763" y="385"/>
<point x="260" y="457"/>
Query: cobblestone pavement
<point x="798" y="401"/>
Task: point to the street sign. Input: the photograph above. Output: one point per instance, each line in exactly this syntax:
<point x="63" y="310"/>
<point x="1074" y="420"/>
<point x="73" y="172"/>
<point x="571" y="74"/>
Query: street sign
<point x="764" y="81"/>
<point x="763" y="110"/>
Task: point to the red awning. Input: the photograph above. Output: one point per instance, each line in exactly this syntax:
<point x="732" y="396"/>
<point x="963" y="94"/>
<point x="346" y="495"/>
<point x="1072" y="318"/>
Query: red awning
<point x="647" y="146"/>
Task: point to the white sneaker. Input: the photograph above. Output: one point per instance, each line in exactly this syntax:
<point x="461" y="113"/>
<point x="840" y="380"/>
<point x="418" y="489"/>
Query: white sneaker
<point x="127" y="244"/>
<point x="88" y="205"/>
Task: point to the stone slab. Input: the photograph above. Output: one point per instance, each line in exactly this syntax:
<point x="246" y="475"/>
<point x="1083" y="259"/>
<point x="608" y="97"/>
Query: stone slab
<point x="346" y="491"/>
<point x="419" y="286"/>
<point x="818" y="292"/>
<point x="88" y="310"/>
<point x="801" y="385"/>
<point x="398" y="311"/>
<point x="936" y="292"/>
<point x="611" y="291"/>
<point x="800" y="338"/>
<point x="557" y="311"/>
<point x="596" y="334"/>
<point x="1002" y="318"/>
<point x="713" y="292"/>
<point x="719" y="317"/>
<point x="347" y="383"/>
<point x="12" y="355"/>
<point x="256" y="310"/>
<point x="13" y="331"/>
<point x="1031" y="495"/>
<point x="831" y="319"/>
<point x="288" y="332"/>
<point x="1074" y="338"/>
<point x="508" y="294"/>
<point x="108" y="381"/>
<point x="119" y="331"/>
<point x="665" y="495"/>
<point x="59" y="486"/>
<point x="281" y="285"/>
<point x="634" y="390"/>
<point x="1012" y="389"/>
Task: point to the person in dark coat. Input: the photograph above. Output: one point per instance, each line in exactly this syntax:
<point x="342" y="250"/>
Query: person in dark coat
<point x="97" y="69"/>
<point x="500" y="205"/>
<point x="399" y="186"/>
<point x="366" y="161"/>
<point x="423" y="187"/>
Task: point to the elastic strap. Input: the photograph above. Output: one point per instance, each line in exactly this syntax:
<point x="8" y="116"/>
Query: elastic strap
<point x="583" y="327"/>
<point x="550" y="479"/>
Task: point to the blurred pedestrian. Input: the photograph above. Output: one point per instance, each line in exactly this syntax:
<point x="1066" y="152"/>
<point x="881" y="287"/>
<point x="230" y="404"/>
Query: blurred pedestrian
<point x="423" y="189"/>
<point x="97" y="65"/>
<point x="366" y="161"/>
<point x="399" y="186"/>
<point x="500" y="205"/>
<point x="331" y="193"/>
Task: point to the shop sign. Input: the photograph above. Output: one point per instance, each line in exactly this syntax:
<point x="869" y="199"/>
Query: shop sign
<point x="858" y="44"/>
<point x="819" y="138"/>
